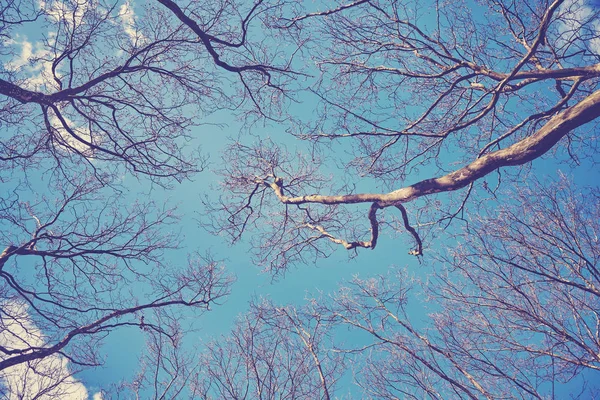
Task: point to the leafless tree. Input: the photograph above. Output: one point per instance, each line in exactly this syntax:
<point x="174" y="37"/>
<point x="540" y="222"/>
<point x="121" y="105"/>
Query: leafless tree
<point x="514" y="311"/>
<point x="272" y="353"/>
<point x="83" y="265"/>
<point x="408" y="357"/>
<point x="526" y="283"/>
<point x="511" y="312"/>
<point x="104" y="84"/>
<point x="167" y="367"/>
<point x="411" y="89"/>
<point x="92" y="93"/>
<point x="46" y="378"/>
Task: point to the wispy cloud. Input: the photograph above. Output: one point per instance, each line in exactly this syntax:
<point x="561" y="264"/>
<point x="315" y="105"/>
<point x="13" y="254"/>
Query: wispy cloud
<point x="127" y="17"/>
<point x="68" y="141"/>
<point x="40" y="78"/>
<point x="70" y="12"/>
<point x="24" y="56"/>
<point x="34" y="61"/>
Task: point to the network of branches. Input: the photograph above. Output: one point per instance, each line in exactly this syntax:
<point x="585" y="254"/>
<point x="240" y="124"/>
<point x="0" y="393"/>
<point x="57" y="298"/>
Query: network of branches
<point x="422" y="120"/>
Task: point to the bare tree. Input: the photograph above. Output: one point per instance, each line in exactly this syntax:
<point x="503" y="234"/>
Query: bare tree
<point x="167" y="367"/>
<point x="47" y="378"/>
<point x="525" y="284"/>
<point x="90" y="93"/>
<point x="75" y="254"/>
<point x="511" y="313"/>
<point x="106" y="85"/>
<point x="272" y="353"/>
<point x="411" y="89"/>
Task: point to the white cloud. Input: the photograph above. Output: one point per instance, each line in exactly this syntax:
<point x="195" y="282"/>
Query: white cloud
<point x="127" y="17"/>
<point x="69" y="142"/>
<point x="23" y="58"/>
<point x="574" y="15"/>
<point x="34" y="63"/>
<point x="70" y="12"/>
<point x="45" y="379"/>
<point x="40" y="77"/>
<point x="35" y="60"/>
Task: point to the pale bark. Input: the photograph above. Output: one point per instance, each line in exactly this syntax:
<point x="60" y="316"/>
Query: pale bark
<point x="524" y="151"/>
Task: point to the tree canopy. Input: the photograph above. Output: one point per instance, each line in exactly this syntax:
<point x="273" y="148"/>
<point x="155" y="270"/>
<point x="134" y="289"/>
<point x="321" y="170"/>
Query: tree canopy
<point x="438" y="124"/>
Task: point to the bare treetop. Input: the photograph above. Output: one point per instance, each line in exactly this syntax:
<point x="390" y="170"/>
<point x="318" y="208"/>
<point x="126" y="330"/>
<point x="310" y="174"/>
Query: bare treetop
<point x="401" y="116"/>
<point x="106" y="83"/>
<point x="428" y="99"/>
<point x="74" y="258"/>
<point x="511" y="311"/>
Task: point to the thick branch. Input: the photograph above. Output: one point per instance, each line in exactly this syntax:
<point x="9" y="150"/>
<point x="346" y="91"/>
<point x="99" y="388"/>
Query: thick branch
<point x="11" y="250"/>
<point x="6" y="255"/>
<point x="419" y="250"/>
<point x="352" y="245"/>
<point x="207" y="41"/>
<point x="22" y="95"/>
<point x="589" y="71"/>
<point x="524" y="151"/>
<point x="39" y="353"/>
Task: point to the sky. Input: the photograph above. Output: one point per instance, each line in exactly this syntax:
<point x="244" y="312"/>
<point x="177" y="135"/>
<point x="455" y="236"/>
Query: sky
<point x="123" y="347"/>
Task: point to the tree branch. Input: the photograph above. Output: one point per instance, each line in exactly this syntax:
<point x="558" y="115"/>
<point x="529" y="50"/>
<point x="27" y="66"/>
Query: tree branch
<point x="524" y="151"/>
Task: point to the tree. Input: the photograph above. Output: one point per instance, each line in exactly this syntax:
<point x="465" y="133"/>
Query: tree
<point x="167" y="371"/>
<point x="103" y="85"/>
<point x="272" y="353"/>
<point x="408" y="89"/>
<point x="513" y="312"/>
<point x="76" y="253"/>
<point x="45" y="378"/>
<point x="97" y="95"/>
<point x="411" y="89"/>
<point x="527" y="282"/>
